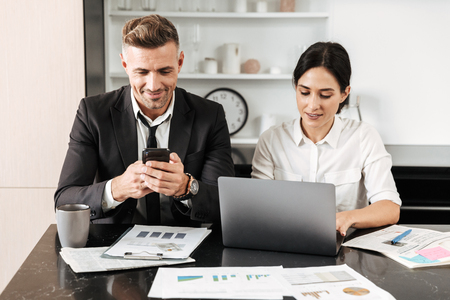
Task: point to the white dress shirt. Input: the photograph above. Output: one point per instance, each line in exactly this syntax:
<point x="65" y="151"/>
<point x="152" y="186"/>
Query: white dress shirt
<point x="352" y="157"/>
<point x="162" y="138"/>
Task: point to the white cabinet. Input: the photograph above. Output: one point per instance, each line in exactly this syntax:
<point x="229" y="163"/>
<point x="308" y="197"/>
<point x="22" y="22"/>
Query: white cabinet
<point x="275" y="39"/>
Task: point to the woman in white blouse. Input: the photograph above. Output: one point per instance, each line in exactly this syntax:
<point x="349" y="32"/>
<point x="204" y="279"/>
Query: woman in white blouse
<point x="322" y="147"/>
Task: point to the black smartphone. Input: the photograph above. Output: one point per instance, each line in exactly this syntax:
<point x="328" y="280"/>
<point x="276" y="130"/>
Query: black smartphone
<point x="158" y="154"/>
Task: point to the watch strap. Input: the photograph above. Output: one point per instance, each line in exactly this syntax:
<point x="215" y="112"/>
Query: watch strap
<point x="188" y="193"/>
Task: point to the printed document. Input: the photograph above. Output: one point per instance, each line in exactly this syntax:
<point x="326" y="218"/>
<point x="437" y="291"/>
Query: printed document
<point x="84" y="260"/>
<point x="331" y="282"/>
<point x="420" y="248"/>
<point x="217" y="283"/>
<point x="158" y="241"/>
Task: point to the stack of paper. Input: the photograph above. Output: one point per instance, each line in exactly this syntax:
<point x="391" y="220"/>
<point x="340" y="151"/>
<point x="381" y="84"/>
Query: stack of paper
<point x="420" y="248"/>
<point x="333" y="282"/>
<point x="139" y="247"/>
<point x="150" y="242"/>
<point x="84" y="260"/>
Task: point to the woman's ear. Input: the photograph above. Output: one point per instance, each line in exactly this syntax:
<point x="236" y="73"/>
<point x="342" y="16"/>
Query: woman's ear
<point x="345" y="94"/>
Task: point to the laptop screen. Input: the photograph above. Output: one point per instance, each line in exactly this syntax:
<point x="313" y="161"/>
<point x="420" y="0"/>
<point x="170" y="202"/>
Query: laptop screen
<point x="278" y="215"/>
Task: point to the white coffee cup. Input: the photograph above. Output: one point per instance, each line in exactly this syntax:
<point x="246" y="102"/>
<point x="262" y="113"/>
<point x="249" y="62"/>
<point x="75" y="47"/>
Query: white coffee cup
<point x="72" y="221"/>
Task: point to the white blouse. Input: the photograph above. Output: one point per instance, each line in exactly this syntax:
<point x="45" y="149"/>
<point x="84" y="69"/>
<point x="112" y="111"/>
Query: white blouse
<point x="352" y="157"/>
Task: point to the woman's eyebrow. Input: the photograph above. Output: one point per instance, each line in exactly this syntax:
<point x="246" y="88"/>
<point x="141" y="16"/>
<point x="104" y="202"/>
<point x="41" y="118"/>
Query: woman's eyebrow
<point x="322" y="90"/>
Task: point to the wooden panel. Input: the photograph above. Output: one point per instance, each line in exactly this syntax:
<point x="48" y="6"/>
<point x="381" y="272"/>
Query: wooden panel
<point x="42" y="82"/>
<point x="24" y="217"/>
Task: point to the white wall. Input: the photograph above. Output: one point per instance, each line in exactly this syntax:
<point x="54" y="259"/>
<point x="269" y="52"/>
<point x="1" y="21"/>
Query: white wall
<point x="400" y="54"/>
<point x="399" y="51"/>
<point x="42" y="82"/>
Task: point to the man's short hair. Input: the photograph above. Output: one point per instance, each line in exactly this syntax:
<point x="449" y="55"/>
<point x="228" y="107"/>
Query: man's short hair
<point x="151" y="31"/>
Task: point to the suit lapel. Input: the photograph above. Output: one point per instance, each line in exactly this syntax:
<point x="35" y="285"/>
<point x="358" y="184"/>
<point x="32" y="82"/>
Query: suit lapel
<point x="124" y="124"/>
<point x="181" y="125"/>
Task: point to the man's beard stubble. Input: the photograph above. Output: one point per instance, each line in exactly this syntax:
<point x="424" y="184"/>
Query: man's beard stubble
<point x="158" y="103"/>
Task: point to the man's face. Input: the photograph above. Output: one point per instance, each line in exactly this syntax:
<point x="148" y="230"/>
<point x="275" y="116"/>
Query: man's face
<point x="153" y="75"/>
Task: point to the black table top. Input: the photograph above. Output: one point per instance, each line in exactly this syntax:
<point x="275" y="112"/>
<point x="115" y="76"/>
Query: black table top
<point x="45" y="275"/>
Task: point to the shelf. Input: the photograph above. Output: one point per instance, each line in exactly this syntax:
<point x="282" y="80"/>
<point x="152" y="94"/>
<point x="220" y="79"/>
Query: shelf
<point x="219" y="76"/>
<point x="248" y="15"/>
<point x="234" y="76"/>
<point x="244" y="141"/>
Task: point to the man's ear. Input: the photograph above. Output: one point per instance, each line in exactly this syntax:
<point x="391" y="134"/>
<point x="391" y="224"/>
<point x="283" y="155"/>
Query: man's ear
<point x="180" y="61"/>
<point x="124" y="63"/>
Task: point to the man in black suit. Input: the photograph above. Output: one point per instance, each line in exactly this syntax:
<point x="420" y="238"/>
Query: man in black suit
<point x="103" y="166"/>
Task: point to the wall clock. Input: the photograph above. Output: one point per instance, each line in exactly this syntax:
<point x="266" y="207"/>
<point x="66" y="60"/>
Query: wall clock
<point x="236" y="109"/>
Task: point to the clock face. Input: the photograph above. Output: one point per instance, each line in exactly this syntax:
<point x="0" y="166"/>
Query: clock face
<point x="236" y="110"/>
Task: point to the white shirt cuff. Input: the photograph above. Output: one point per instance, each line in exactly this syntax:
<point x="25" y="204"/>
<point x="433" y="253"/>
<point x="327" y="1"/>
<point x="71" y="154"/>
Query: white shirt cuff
<point x="108" y="201"/>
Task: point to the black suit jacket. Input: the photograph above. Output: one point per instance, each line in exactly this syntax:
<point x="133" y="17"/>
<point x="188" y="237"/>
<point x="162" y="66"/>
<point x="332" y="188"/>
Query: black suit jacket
<point x="103" y="143"/>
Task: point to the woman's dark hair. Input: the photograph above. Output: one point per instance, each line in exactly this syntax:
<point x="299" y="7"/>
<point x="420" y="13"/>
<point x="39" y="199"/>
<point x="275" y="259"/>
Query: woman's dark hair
<point x="331" y="56"/>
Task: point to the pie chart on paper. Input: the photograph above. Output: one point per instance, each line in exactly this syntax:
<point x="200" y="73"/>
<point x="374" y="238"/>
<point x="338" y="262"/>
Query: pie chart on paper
<point x="356" y="291"/>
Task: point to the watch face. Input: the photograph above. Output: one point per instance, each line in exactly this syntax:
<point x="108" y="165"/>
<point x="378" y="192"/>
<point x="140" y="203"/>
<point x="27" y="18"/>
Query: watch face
<point x="236" y="110"/>
<point x="194" y="187"/>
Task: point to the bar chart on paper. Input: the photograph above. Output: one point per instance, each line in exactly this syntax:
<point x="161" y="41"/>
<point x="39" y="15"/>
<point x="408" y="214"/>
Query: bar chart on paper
<point x="143" y="241"/>
<point x="221" y="278"/>
<point x="161" y="235"/>
<point x="255" y="277"/>
<point x="217" y="283"/>
<point x="224" y="278"/>
<point x="217" y="278"/>
<point x="188" y="278"/>
<point x="316" y="294"/>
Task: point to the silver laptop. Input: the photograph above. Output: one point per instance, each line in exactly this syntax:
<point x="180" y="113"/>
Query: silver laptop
<point x="278" y="215"/>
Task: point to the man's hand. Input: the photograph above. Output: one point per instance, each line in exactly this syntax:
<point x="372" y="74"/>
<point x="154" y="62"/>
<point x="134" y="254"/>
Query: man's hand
<point x="130" y="184"/>
<point x="166" y="178"/>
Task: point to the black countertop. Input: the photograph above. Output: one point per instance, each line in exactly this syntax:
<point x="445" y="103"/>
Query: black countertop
<point x="44" y="275"/>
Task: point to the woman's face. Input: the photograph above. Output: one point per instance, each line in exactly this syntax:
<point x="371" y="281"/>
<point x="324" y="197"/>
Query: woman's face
<point x="318" y="97"/>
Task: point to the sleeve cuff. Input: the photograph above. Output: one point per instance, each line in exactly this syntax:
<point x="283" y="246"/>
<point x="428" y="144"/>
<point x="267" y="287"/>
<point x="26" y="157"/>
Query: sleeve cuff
<point x="108" y="201"/>
<point x="392" y="196"/>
